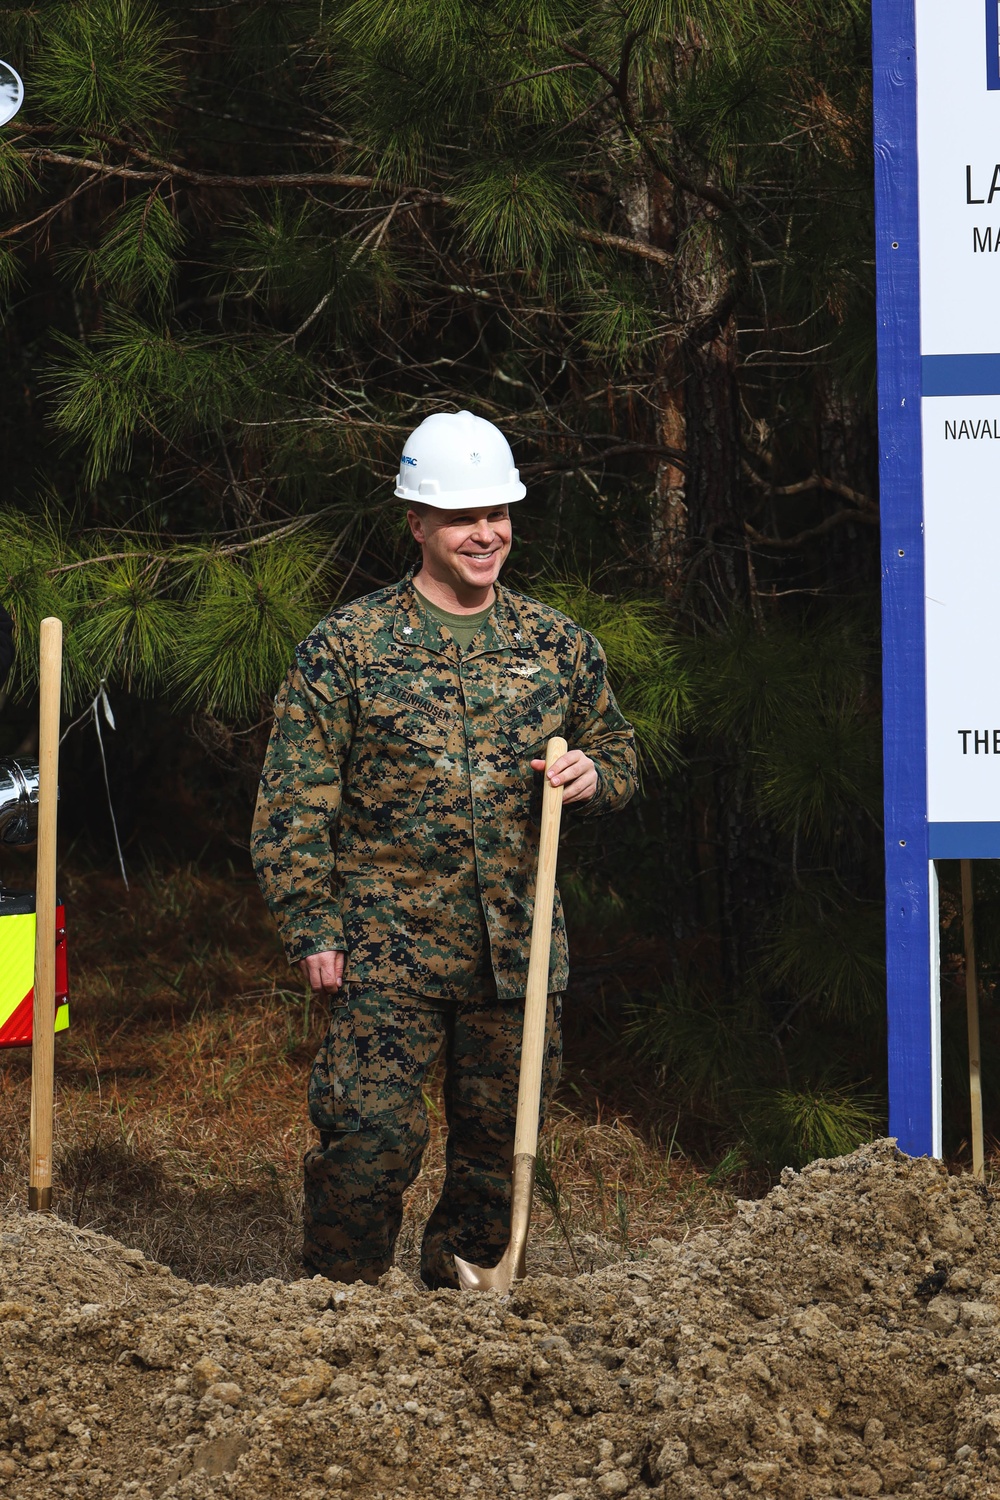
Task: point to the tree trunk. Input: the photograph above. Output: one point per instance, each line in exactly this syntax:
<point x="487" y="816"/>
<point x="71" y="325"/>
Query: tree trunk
<point x="713" y="489"/>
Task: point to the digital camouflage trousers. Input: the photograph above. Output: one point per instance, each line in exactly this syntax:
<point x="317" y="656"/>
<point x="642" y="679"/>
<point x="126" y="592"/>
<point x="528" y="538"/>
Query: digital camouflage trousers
<point x="366" y="1097"/>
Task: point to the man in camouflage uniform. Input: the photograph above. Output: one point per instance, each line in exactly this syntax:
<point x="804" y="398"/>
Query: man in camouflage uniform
<point x="396" y="842"/>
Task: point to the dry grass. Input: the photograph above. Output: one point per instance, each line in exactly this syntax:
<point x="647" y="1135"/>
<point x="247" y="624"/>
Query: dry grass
<point x="181" y="1118"/>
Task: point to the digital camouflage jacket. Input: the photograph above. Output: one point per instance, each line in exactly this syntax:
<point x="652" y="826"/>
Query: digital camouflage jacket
<point x="397" y="817"/>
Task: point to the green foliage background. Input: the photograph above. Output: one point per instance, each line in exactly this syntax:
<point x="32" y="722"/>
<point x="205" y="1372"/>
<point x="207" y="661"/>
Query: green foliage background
<point x="249" y="245"/>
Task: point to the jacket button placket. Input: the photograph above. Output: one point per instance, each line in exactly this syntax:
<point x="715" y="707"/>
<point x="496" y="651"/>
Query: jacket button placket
<point x="472" y="736"/>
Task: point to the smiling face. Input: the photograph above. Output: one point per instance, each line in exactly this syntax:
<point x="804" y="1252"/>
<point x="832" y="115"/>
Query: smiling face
<point x="463" y="552"/>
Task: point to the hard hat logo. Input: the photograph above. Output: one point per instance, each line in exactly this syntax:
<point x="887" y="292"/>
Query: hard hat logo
<point x="465" y="463"/>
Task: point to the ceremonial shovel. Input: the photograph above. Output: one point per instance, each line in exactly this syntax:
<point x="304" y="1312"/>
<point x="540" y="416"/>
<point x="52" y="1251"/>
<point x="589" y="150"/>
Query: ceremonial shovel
<point x="529" y="1084"/>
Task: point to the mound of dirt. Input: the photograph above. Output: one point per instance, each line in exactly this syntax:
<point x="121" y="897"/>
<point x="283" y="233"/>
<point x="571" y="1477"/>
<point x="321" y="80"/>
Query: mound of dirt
<point x="840" y="1339"/>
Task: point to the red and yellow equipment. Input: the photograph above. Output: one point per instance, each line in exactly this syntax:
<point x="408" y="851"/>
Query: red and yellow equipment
<point x="17" y="969"/>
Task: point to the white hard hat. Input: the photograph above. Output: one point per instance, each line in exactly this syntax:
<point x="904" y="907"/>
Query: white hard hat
<point x="455" y="461"/>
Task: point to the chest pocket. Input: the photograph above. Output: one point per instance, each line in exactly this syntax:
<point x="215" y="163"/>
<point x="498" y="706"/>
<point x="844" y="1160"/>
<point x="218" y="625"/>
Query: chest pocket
<point x="533" y="720"/>
<point x="396" y="753"/>
<point x="407" y="716"/>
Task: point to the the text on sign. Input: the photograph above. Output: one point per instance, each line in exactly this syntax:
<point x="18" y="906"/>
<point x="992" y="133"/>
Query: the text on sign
<point x="981" y="741"/>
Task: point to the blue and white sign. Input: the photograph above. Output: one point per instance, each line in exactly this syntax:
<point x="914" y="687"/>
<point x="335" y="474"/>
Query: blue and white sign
<point x="937" y="144"/>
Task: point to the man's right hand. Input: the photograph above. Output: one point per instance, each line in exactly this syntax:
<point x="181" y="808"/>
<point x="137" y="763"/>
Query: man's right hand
<point x="324" y="971"/>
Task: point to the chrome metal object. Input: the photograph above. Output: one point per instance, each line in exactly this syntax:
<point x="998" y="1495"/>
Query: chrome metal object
<point x="18" y="799"/>
<point x="11" y="92"/>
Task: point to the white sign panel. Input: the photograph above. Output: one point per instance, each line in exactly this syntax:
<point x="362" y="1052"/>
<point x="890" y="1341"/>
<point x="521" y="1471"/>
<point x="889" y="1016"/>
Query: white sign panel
<point x="959" y="153"/>
<point x="958" y="59"/>
<point x="962" y="584"/>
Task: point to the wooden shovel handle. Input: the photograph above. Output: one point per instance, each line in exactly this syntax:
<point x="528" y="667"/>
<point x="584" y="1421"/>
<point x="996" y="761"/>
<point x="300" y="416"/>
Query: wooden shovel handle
<point x="529" y="1088"/>
<point x="972" y="1018"/>
<point x="43" y="1017"/>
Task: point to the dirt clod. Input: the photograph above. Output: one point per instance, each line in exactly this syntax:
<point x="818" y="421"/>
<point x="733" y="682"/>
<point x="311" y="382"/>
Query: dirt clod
<point x="839" y="1340"/>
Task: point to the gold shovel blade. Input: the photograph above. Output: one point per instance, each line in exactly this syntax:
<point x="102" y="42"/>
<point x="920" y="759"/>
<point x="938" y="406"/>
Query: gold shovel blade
<point x="501" y="1277"/>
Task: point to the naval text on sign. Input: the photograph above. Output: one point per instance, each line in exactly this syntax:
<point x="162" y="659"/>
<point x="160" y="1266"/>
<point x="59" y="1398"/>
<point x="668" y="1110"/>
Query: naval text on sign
<point x="972" y="429"/>
<point x="979" y="741"/>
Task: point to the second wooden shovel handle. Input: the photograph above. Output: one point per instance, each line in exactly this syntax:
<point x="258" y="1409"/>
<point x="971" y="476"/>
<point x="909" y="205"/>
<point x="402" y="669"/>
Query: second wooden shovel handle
<point x="43" y="1019"/>
<point x="529" y="1088"/>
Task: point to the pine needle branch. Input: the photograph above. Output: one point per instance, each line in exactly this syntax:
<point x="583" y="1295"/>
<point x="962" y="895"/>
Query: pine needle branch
<point x="787" y="543"/>
<point x="186" y="555"/>
<point x="621" y="242"/>
<point x="814" y="482"/>
<point x="201" y="179"/>
<point x="53" y="211"/>
<point x="167" y="170"/>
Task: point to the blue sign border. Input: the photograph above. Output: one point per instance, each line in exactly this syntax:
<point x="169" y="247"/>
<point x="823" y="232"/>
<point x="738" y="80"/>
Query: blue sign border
<point x="993" y="44"/>
<point x="960" y="374"/>
<point x="913" y="1086"/>
<point x="964" y="840"/>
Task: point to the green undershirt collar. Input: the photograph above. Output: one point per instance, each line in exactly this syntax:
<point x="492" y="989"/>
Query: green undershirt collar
<point x="463" y="627"/>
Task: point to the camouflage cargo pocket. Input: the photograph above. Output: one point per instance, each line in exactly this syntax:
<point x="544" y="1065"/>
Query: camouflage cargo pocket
<point x="335" y="1083"/>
